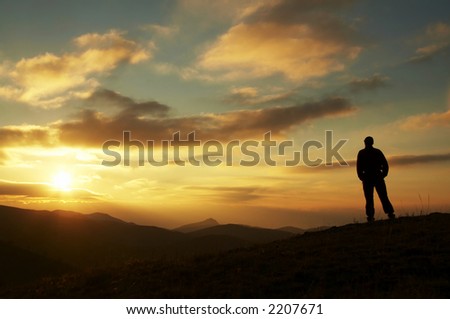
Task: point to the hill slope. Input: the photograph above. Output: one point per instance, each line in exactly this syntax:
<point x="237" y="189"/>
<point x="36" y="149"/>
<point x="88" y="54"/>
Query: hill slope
<point x="21" y="266"/>
<point x="197" y="226"/>
<point x="247" y="233"/>
<point x="84" y="240"/>
<point x="99" y="240"/>
<point x="405" y="258"/>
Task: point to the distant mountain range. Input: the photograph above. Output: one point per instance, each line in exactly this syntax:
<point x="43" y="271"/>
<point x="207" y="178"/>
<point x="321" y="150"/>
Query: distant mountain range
<point x="42" y="243"/>
<point x="197" y="226"/>
<point x="405" y="258"/>
<point x="294" y="230"/>
<point x="245" y="233"/>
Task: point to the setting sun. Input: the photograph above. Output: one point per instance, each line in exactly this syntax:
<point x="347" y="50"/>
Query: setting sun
<point x="62" y="181"/>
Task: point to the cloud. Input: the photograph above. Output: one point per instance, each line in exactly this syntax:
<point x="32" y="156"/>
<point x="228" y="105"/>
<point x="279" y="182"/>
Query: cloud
<point x="199" y="11"/>
<point x="161" y="30"/>
<point x="107" y="114"/>
<point x="418" y="159"/>
<point x="394" y="161"/>
<point x="140" y="187"/>
<point x="137" y="184"/>
<point x="368" y="84"/>
<point x="93" y="128"/>
<point x="435" y="40"/>
<point x="32" y="192"/>
<point x="49" y="80"/>
<point x="227" y="194"/>
<point x="27" y="135"/>
<point x="425" y="121"/>
<point x="298" y="39"/>
<point x="406" y="160"/>
<point x="107" y="99"/>
<point x="251" y="96"/>
<point x="3" y="69"/>
<point x="3" y="157"/>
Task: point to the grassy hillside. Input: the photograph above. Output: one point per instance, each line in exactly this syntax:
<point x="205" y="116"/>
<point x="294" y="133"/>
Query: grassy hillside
<point x="405" y="258"/>
<point x="21" y="266"/>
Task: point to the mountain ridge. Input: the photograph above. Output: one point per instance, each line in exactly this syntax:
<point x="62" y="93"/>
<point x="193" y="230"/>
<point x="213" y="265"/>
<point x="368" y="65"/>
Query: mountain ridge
<point x="244" y="232"/>
<point x="405" y="258"/>
<point x="96" y="240"/>
<point x="188" y="228"/>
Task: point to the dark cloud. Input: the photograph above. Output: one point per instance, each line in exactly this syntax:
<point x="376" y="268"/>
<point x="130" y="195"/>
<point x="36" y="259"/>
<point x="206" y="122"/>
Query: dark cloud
<point x="320" y="16"/>
<point x="278" y="119"/>
<point x="25" y="136"/>
<point x="418" y="159"/>
<point x="229" y="194"/>
<point x="104" y="98"/>
<point x="150" y="121"/>
<point x="394" y="161"/>
<point x="42" y="191"/>
<point x="368" y="84"/>
<point x="93" y="128"/>
<point x="24" y="189"/>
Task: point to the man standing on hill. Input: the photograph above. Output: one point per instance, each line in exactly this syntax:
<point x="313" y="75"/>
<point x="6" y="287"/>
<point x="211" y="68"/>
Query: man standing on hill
<point x="372" y="167"/>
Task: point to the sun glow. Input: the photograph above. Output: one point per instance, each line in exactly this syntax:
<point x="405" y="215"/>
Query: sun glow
<point x="62" y="181"/>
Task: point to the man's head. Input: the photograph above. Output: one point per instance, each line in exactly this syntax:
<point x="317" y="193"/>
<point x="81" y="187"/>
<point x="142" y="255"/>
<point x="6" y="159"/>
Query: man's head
<point x="368" y="141"/>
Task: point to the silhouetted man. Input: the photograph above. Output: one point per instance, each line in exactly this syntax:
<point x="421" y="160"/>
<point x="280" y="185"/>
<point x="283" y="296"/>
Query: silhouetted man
<point x="372" y="167"/>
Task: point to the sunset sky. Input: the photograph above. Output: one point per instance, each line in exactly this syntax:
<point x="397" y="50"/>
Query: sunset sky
<point x="75" y="74"/>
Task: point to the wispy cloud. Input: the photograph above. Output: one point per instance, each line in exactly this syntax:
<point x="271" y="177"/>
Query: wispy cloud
<point x="418" y="159"/>
<point x="368" y="84"/>
<point x="49" y="80"/>
<point x="398" y="160"/>
<point x="199" y="11"/>
<point x="227" y="194"/>
<point x="42" y="192"/>
<point x="249" y="95"/>
<point x="161" y="30"/>
<point x="435" y="40"/>
<point x="425" y="121"/>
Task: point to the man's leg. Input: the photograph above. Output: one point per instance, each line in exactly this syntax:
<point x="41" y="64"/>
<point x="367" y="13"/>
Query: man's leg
<point x="368" y="194"/>
<point x="382" y="194"/>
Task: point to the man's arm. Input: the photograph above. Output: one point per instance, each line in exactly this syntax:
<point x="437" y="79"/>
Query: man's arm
<point x="359" y="169"/>
<point x="384" y="164"/>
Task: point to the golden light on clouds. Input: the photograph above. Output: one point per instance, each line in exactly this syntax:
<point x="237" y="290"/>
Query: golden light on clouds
<point x="49" y="80"/>
<point x="426" y="121"/>
<point x="263" y="49"/>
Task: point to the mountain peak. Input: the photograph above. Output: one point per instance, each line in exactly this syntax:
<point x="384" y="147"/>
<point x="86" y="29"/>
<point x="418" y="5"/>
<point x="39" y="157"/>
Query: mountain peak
<point x="103" y="217"/>
<point x="210" y="222"/>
